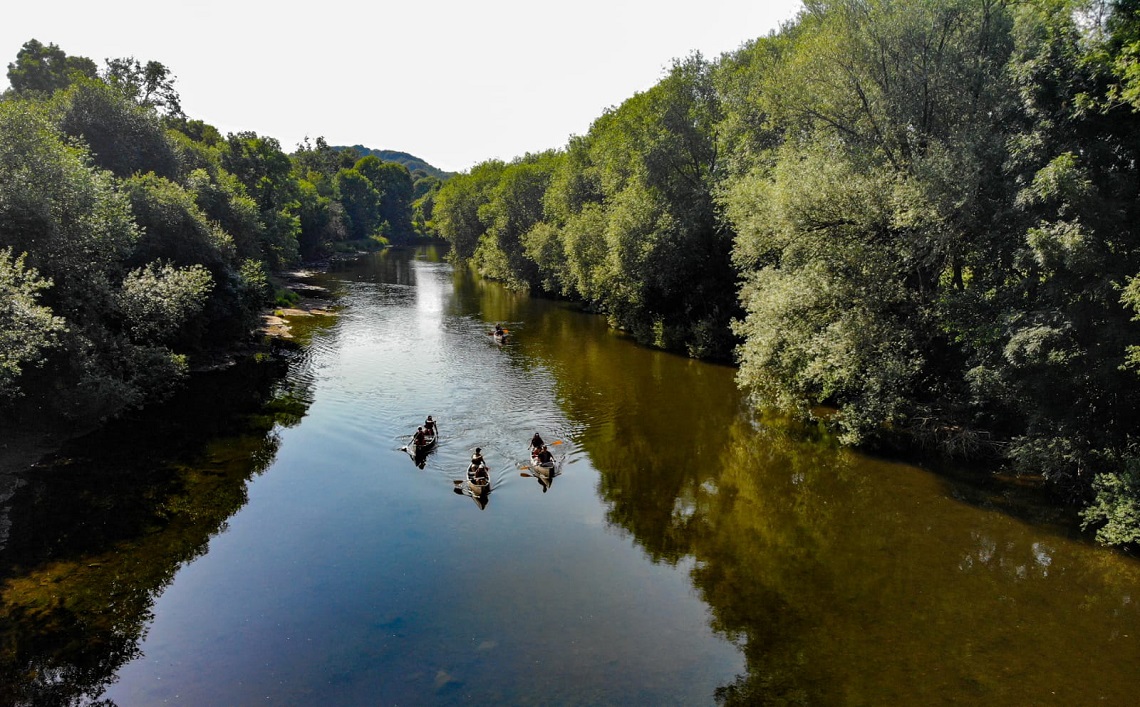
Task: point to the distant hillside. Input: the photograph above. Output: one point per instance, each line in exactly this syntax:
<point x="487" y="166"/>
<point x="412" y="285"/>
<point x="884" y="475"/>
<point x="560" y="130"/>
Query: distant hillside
<point x="410" y="161"/>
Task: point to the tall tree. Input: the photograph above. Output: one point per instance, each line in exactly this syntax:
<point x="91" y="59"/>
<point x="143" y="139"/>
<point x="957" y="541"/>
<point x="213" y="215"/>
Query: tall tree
<point x="267" y="174"/>
<point x="45" y="69"/>
<point x="150" y="85"/>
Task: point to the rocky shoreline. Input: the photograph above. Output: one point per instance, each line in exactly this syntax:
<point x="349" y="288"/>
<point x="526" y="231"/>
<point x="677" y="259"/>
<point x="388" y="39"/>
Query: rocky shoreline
<point x="314" y="302"/>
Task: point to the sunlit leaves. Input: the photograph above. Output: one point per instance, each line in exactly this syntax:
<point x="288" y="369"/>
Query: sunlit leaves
<point x="70" y="220"/>
<point x="123" y="136"/>
<point x="457" y="207"/>
<point x="27" y="329"/>
<point x="159" y="298"/>
<point x="1115" y="510"/>
<point x="175" y="228"/>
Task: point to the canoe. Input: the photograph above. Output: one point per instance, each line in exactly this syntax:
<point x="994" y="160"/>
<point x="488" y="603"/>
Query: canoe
<point x="418" y="450"/>
<point x="476" y="485"/>
<point x="480" y="498"/>
<point x="500" y="338"/>
<point x="544" y="468"/>
<point x="479" y="487"/>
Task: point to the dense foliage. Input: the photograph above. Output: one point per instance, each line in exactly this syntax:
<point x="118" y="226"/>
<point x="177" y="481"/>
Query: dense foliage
<point x="913" y="220"/>
<point x="134" y="239"/>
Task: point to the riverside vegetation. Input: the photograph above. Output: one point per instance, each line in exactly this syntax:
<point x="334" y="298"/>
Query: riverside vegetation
<point x="917" y="216"/>
<point x="134" y="240"/>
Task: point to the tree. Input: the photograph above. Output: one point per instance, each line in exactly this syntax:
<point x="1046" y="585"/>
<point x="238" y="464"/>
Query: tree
<point x="124" y="137"/>
<point x="174" y="228"/>
<point x="870" y="228"/>
<point x="457" y="206"/>
<point x="46" y="69"/>
<point x="68" y="217"/>
<point x="267" y="175"/>
<point x="150" y="85"/>
<point x="319" y="157"/>
<point x="323" y="222"/>
<point x="424" y="191"/>
<point x="361" y="202"/>
<point x="159" y="299"/>
<point x="515" y="207"/>
<point x="27" y="329"/>
<point x="393" y="183"/>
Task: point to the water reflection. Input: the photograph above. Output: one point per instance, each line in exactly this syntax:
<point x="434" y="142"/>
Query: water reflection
<point x="844" y="579"/>
<point x="837" y="578"/>
<point x="544" y="477"/>
<point x="480" y="494"/>
<point x="100" y="529"/>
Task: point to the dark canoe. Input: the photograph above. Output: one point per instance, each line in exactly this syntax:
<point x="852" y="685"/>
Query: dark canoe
<point x="419" y="450"/>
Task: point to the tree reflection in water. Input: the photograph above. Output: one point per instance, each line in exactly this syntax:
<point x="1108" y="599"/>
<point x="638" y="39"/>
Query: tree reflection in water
<point x="100" y="529"/>
<point x="843" y="578"/>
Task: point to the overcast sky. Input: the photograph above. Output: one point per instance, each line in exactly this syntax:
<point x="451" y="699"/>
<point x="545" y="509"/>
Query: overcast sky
<point x="453" y="82"/>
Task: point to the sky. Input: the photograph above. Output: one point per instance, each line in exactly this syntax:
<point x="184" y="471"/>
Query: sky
<point x="452" y="82"/>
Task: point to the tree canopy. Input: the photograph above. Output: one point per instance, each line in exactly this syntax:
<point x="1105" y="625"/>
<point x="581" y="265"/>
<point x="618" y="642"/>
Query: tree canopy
<point x="134" y="238"/>
<point x="913" y="222"/>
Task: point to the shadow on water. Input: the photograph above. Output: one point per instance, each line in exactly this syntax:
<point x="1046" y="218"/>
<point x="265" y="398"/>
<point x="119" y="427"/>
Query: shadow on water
<point x="841" y="578"/>
<point x="844" y="579"/>
<point x="99" y="529"/>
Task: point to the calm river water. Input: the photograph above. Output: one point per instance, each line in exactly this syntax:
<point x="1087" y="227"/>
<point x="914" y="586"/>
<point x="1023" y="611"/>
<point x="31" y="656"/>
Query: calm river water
<point x="263" y="539"/>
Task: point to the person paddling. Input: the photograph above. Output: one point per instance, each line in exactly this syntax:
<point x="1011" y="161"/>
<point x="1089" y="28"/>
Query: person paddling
<point x="430" y="427"/>
<point x="418" y="438"/>
<point x="544" y="456"/>
<point x="536" y="443"/>
<point x="477" y="472"/>
<point x="477" y="459"/>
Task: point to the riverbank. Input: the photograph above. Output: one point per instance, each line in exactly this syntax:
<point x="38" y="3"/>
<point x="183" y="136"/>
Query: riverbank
<point x="31" y="436"/>
<point x="315" y="301"/>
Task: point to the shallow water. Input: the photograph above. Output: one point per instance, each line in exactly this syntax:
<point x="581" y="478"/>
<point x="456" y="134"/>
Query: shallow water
<point x="266" y="540"/>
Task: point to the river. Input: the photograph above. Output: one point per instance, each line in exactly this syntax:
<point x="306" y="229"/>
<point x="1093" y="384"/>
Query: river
<point x="265" y="539"/>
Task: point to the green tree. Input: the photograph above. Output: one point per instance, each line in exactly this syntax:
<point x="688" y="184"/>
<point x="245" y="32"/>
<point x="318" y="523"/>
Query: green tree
<point x="27" y="329"/>
<point x="222" y="198"/>
<point x="323" y="222"/>
<point x="124" y="137"/>
<point x="40" y="69"/>
<point x="457" y="206"/>
<point x="361" y="202"/>
<point x="424" y="191"/>
<point x="150" y="85"/>
<point x="159" y="299"/>
<point x="856" y="232"/>
<point x="514" y="208"/>
<point x="69" y="219"/>
<point x="267" y="175"/>
<point x="393" y="183"/>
